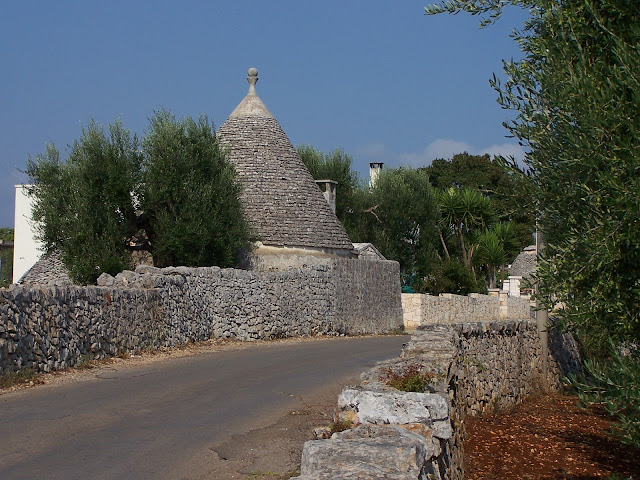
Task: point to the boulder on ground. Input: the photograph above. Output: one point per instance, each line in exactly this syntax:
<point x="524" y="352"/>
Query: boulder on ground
<point x="367" y="452"/>
<point x="433" y="341"/>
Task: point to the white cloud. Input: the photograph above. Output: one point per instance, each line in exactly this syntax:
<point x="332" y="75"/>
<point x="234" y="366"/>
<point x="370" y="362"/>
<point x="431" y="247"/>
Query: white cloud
<point x="441" y="148"/>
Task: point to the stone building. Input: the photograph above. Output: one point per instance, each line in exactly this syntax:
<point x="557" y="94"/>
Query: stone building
<point x="285" y="206"/>
<point x="521" y="271"/>
<point x="290" y="214"/>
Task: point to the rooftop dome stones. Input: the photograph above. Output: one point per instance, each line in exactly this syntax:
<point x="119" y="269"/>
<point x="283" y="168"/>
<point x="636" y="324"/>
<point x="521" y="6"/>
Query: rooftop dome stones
<point x="287" y="210"/>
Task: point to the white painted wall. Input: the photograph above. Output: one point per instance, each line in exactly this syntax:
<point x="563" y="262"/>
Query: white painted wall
<point x="26" y="249"/>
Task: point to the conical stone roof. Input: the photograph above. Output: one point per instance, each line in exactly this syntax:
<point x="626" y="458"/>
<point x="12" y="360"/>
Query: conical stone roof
<point x="282" y="201"/>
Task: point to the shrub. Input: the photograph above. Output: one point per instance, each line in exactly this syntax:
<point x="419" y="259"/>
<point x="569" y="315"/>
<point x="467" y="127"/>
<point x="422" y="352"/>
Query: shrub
<point x="411" y="378"/>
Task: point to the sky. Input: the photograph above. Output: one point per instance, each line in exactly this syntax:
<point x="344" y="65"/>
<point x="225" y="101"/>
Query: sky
<point x="378" y="79"/>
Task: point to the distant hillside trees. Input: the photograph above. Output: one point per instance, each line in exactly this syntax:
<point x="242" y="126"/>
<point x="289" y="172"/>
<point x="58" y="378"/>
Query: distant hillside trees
<point x="173" y="194"/>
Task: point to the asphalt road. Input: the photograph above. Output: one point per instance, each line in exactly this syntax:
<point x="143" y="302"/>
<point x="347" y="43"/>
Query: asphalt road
<point x="162" y="420"/>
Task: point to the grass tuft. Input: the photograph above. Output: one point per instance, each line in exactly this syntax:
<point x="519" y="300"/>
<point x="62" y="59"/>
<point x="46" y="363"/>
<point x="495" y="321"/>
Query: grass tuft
<point x="411" y="378"/>
<point x="21" y="377"/>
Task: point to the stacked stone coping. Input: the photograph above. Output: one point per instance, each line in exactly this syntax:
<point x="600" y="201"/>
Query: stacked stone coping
<point x="52" y="328"/>
<point x="479" y="367"/>
<point x="423" y="309"/>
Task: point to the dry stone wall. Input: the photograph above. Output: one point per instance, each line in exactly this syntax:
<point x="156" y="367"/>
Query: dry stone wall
<point x="53" y="328"/>
<point x="421" y="309"/>
<point x="475" y="367"/>
<point x="364" y="294"/>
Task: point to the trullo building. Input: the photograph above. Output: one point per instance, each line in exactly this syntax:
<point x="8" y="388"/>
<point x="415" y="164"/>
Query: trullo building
<point x="289" y="213"/>
<point x="284" y="205"/>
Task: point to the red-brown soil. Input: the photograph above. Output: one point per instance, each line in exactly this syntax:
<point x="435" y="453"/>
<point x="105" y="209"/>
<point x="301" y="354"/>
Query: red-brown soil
<point x="547" y="437"/>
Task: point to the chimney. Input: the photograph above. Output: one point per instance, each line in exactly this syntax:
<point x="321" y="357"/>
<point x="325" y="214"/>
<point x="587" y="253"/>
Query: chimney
<point x="328" y="188"/>
<point x="374" y="172"/>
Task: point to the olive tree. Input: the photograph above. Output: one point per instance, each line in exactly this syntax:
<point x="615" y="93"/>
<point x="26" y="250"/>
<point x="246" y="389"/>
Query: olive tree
<point x="173" y="194"/>
<point x="577" y="96"/>
<point x="190" y="195"/>
<point x="84" y="206"/>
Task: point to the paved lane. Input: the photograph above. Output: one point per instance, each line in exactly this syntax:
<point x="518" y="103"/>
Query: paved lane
<point x="150" y="421"/>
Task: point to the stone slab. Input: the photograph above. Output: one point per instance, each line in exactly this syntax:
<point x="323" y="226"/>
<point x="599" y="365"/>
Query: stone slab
<point x="394" y="407"/>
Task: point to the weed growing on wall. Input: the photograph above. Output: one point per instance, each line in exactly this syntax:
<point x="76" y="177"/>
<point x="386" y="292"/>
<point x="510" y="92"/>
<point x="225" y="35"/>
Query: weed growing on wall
<point x="340" y="426"/>
<point x="411" y="378"/>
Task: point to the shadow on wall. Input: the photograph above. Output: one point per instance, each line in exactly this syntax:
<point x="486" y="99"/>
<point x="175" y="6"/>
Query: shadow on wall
<point x="564" y="352"/>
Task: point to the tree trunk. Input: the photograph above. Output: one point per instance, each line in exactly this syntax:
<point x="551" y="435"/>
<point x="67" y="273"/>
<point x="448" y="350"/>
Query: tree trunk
<point x="444" y="245"/>
<point x="465" y="259"/>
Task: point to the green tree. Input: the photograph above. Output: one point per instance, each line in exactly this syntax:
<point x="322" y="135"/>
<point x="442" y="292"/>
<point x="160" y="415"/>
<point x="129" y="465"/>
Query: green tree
<point x="463" y="212"/>
<point x="6" y="257"/>
<point x="577" y="93"/>
<point x="174" y="195"/>
<point x="496" y="247"/>
<point x="6" y="234"/>
<point x="469" y="234"/>
<point x="337" y="166"/>
<point x="190" y="196"/>
<point x="494" y="179"/>
<point x="84" y="207"/>
<point x="449" y="275"/>
<point x="399" y="216"/>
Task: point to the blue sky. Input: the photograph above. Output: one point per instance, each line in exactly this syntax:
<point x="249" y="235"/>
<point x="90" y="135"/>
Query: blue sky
<point x="378" y="79"/>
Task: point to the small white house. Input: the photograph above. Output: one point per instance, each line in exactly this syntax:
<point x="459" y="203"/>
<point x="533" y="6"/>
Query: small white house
<point x="26" y="249"/>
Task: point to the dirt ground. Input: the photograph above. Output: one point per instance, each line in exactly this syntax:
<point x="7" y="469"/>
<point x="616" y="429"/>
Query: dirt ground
<point x="547" y="437"/>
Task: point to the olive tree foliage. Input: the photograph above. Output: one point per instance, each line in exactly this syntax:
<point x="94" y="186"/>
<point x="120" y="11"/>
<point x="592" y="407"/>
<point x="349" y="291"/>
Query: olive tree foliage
<point x="399" y="215"/>
<point x="337" y="166"/>
<point x="83" y="207"/>
<point x="172" y="194"/>
<point x="190" y="196"/>
<point x="577" y="96"/>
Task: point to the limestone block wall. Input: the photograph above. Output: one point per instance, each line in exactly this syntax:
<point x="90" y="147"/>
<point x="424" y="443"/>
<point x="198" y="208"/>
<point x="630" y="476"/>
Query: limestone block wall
<point x="52" y="328"/>
<point x="366" y="294"/>
<point x="478" y="365"/>
<point x="498" y="364"/>
<point x="55" y="327"/>
<point x="421" y="309"/>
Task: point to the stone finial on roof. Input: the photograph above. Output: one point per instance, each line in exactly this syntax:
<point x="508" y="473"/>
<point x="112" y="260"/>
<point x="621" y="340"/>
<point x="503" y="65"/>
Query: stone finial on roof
<point x="251" y="105"/>
<point x="252" y="78"/>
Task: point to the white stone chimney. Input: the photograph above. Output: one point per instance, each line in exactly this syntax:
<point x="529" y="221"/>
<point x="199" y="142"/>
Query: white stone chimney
<point x="328" y="188"/>
<point x="374" y="172"/>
